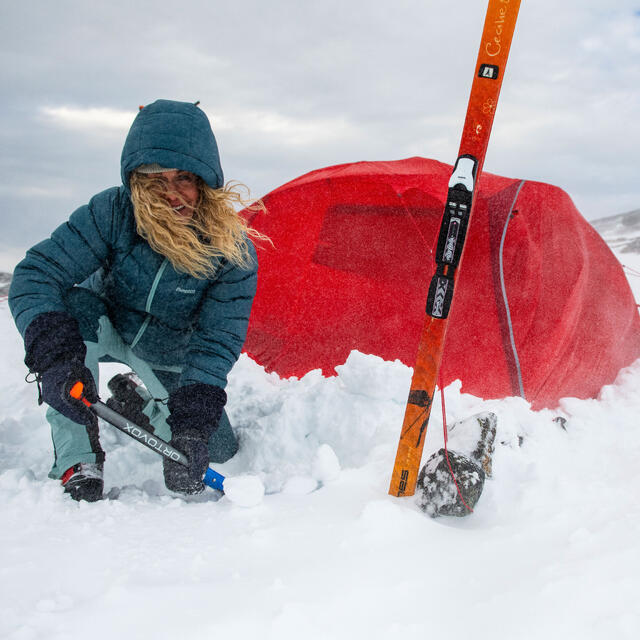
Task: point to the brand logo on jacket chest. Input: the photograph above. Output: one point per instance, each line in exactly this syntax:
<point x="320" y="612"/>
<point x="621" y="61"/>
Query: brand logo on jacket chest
<point x="188" y="291"/>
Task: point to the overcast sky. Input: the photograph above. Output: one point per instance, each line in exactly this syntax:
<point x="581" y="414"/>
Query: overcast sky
<point x="292" y="86"/>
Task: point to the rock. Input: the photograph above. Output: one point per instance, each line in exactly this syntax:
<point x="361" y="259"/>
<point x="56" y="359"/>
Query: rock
<point x="436" y="489"/>
<point x="470" y="458"/>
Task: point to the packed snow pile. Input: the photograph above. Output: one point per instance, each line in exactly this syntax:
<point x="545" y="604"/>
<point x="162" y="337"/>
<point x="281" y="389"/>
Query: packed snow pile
<point x="549" y="552"/>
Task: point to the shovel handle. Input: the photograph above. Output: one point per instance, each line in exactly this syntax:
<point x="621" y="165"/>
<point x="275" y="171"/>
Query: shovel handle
<point x="77" y="392"/>
<point x="211" y="478"/>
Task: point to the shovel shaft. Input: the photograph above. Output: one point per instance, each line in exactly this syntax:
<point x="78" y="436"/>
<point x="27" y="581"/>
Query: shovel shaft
<point x="212" y="478"/>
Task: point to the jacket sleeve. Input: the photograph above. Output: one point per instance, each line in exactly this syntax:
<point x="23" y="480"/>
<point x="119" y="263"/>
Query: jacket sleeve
<point x="221" y="327"/>
<point x="75" y="250"/>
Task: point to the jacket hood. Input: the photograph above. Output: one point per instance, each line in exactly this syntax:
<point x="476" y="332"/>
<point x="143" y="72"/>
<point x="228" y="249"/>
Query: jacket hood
<point x="173" y="134"/>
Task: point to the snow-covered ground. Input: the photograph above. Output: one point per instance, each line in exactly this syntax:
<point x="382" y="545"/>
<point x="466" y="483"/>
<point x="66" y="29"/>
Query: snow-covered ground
<point x="552" y="550"/>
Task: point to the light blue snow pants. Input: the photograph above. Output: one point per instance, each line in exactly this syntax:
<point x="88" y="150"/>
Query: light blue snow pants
<point x="73" y="442"/>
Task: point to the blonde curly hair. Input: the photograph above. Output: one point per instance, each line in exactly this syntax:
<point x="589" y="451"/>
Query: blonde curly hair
<point x="195" y="245"/>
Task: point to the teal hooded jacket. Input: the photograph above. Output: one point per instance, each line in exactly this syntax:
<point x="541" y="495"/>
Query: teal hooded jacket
<point x="169" y="318"/>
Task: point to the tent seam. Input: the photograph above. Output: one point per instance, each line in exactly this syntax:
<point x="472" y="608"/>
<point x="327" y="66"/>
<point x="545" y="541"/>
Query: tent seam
<point x="504" y="293"/>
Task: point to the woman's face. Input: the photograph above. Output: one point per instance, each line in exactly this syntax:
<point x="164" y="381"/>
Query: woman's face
<point x="181" y="191"/>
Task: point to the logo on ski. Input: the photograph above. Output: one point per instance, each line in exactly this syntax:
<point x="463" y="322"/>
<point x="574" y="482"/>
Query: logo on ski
<point x="452" y="240"/>
<point x="489" y="106"/>
<point x="439" y="298"/>
<point x="420" y="398"/>
<point x="490" y="71"/>
<point x="403" y="481"/>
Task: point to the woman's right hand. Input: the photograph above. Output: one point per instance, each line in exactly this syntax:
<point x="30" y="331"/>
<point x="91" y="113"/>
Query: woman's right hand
<point x="57" y="381"/>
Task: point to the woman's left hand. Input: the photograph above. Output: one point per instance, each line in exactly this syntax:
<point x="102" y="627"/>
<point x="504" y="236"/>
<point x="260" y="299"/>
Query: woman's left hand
<point x="182" y="479"/>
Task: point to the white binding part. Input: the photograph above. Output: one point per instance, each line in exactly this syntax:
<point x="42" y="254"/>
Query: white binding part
<point x="463" y="174"/>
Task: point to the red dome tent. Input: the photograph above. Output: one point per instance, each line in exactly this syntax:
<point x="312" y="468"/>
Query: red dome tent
<point x="542" y="306"/>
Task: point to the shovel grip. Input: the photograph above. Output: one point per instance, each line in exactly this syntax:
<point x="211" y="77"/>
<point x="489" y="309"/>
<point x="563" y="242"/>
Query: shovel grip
<point x="77" y="392"/>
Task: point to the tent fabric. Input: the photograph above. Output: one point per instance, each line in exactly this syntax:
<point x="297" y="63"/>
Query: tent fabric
<point x="541" y="305"/>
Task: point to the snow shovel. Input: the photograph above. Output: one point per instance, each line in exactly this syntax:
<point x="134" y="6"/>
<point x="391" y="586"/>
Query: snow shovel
<point x="211" y="478"/>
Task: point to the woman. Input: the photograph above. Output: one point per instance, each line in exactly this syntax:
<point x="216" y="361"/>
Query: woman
<point x="158" y="274"/>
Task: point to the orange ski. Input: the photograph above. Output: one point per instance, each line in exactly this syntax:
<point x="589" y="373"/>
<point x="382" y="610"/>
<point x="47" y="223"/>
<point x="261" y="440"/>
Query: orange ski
<point x="498" y="31"/>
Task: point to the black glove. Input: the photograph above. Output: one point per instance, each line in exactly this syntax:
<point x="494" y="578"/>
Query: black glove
<point x="55" y="353"/>
<point x="187" y="479"/>
<point x="56" y="384"/>
<point x="195" y="414"/>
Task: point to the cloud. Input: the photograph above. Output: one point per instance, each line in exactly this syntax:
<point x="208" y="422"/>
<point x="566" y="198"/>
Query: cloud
<point x="37" y="191"/>
<point x="291" y="87"/>
<point x="93" y="119"/>
<point x="285" y="129"/>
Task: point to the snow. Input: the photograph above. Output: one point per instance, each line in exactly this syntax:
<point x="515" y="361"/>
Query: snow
<point x="551" y="550"/>
<point x="244" y="490"/>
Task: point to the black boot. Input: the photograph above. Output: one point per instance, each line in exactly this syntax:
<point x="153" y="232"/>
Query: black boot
<point x="126" y="401"/>
<point x="84" y="481"/>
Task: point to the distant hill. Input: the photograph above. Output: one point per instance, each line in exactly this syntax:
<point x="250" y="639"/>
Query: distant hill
<point x="621" y="232"/>
<point x="5" y="281"/>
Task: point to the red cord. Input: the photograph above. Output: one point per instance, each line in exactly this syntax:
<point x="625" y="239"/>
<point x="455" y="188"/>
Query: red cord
<point x="446" y="451"/>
